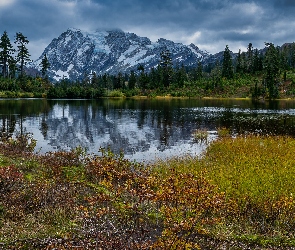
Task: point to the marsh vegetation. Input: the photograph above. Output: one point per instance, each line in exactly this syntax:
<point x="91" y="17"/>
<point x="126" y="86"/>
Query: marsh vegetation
<point x="239" y="194"/>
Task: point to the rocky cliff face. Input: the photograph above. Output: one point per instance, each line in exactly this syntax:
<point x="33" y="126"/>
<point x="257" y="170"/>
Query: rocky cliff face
<point x="76" y="53"/>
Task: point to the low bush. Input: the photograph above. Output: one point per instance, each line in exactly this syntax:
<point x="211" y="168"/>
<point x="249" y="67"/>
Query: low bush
<point x="115" y="93"/>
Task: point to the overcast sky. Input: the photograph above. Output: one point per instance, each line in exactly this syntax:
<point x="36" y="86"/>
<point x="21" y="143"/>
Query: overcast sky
<point x="209" y="24"/>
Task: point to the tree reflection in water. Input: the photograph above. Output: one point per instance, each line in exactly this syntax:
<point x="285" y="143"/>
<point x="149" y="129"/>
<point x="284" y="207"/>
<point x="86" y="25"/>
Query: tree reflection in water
<point x="142" y="129"/>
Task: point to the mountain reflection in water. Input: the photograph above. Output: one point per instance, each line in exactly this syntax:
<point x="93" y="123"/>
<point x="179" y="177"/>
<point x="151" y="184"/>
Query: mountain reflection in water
<point x="142" y="129"/>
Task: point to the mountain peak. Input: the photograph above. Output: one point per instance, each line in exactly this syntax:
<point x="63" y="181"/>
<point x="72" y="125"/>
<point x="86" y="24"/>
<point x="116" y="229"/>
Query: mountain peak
<point x="76" y="53"/>
<point x="115" y="30"/>
<point x="73" y="29"/>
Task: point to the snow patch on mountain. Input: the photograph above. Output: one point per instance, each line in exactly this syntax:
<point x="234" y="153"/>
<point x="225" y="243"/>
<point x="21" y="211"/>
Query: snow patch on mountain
<point x="59" y="74"/>
<point x="99" y="41"/>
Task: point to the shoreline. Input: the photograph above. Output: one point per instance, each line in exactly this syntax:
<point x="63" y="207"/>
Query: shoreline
<point x="30" y="95"/>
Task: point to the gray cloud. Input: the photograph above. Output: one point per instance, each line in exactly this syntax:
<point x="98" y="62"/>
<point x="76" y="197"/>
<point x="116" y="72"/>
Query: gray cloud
<point x="210" y="24"/>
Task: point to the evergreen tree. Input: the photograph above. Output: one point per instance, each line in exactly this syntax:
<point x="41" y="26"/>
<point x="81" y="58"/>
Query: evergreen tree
<point x="239" y="67"/>
<point x="284" y="65"/>
<point x="179" y="76"/>
<point x="94" y="80"/>
<point x="119" y="81"/>
<point x="292" y="59"/>
<point x="106" y="81"/>
<point x="132" y="80"/>
<point x="166" y="66"/>
<point x="227" y="68"/>
<point x="216" y="74"/>
<point x="250" y="58"/>
<point x="45" y="65"/>
<point x="6" y="51"/>
<point x="257" y="61"/>
<point x="12" y="67"/>
<point x="154" y="78"/>
<point x="271" y="70"/>
<point x="143" y="78"/>
<point x="199" y="73"/>
<point x="140" y="68"/>
<point x="23" y="55"/>
<point x="244" y="62"/>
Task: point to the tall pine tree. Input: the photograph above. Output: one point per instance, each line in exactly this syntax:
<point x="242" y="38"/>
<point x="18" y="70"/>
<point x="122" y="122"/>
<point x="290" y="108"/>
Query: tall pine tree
<point x="45" y="65"/>
<point x="227" y="67"/>
<point x="132" y="80"/>
<point x="271" y="70"/>
<point x="250" y="58"/>
<point x="239" y="63"/>
<point x="166" y="67"/>
<point x="257" y="61"/>
<point x="199" y="71"/>
<point x="23" y="55"/>
<point x="6" y="51"/>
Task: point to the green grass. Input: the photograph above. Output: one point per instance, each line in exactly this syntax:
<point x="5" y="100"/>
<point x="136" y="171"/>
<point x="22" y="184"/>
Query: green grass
<point x="258" y="167"/>
<point x="256" y="175"/>
<point x="255" y="167"/>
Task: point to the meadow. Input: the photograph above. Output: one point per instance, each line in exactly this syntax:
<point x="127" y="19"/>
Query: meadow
<point x="238" y="195"/>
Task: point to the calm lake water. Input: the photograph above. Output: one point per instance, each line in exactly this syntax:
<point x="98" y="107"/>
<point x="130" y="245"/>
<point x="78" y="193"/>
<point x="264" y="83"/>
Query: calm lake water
<point x="143" y="129"/>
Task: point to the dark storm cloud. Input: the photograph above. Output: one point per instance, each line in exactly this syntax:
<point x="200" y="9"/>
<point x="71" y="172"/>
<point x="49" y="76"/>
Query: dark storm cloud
<point x="34" y="17"/>
<point x="210" y="24"/>
<point x="285" y="3"/>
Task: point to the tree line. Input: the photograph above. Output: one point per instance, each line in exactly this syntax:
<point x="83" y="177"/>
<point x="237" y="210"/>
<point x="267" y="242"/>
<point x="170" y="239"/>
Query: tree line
<point x="270" y="63"/>
<point x="263" y="70"/>
<point x="13" y="75"/>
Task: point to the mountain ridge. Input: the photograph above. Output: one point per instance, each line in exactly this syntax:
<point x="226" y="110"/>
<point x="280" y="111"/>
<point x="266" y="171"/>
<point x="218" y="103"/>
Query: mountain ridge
<point x="76" y="53"/>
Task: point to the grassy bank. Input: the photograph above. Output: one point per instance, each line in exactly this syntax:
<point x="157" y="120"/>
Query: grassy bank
<point x="17" y="94"/>
<point x="239" y="195"/>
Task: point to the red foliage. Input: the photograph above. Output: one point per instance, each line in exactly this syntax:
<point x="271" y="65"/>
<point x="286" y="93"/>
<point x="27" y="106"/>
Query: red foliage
<point x="9" y="176"/>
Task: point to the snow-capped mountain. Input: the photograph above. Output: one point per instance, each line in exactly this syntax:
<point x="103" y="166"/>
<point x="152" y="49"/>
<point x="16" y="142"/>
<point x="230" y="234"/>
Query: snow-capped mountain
<point x="76" y="53"/>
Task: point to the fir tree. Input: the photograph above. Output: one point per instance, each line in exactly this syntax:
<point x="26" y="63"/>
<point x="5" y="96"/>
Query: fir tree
<point x="132" y="80"/>
<point x="227" y="68"/>
<point x="284" y="65"/>
<point x="94" y="80"/>
<point x="154" y="78"/>
<point x="292" y="59"/>
<point x="6" y="51"/>
<point x="12" y="67"/>
<point x="23" y="55"/>
<point x="166" y="66"/>
<point x="250" y="58"/>
<point x="119" y="81"/>
<point x="45" y="65"/>
<point x="239" y="67"/>
<point x="199" y="75"/>
<point x="142" y="79"/>
<point x="271" y="70"/>
<point x="178" y="76"/>
<point x="257" y="61"/>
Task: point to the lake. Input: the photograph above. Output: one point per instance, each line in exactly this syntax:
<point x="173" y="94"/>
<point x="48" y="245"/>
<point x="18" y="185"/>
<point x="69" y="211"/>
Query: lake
<point x="144" y="129"/>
